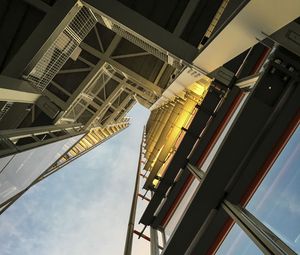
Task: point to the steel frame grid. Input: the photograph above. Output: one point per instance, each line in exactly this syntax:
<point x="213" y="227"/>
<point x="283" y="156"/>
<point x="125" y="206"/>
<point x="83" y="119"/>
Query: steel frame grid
<point x="62" y="48"/>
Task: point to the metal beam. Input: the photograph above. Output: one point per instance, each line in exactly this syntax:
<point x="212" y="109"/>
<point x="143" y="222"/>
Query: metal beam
<point x="15" y="90"/>
<point x="185" y="17"/>
<point x="55" y="84"/>
<point x="198" y="173"/>
<point x="86" y="61"/>
<point x="154" y="246"/>
<point x="139" y="93"/>
<point x="131" y="88"/>
<point x="117" y="110"/>
<point x="106" y="104"/>
<point x="10" y="137"/>
<point x="127" y="110"/>
<point x="263" y="237"/>
<point x="143" y="27"/>
<point x="38" y="4"/>
<point x="253" y="23"/>
<point x="161" y="72"/>
<point x="138" y="78"/>
<point x="53" y="98"/>
<point x="20" y="132"/>
<point x="97" y="68"/>
<point x="99" y="39"/>
<point x="44" y="35"/>
<point x="77" y="70"/>
<point x="130" y="229"/>
<point x="142" y="101"/>
<point x="132" y="55"/>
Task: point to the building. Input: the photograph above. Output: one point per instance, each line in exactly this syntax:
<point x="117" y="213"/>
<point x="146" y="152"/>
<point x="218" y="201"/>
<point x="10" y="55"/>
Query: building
<point x="220" y="78"/>
<point x="211" y="189"/>
<point x="214" y="165"/>
<point x="67" y="82"/>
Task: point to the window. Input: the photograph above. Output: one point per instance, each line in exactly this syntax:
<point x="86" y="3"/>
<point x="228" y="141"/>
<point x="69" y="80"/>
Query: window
<point x="217" y="142"/>
<point x="276" y="203"/>
<point x="181" y="208"/>
<point x="238" y="243"/>
<point x="18" y="171"/>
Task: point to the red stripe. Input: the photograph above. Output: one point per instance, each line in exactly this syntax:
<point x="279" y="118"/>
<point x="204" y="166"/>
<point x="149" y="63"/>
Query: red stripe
<point x="219" y="130"/>
<point x="257" y="180"/>
<point x="260" y="61"/>
<point x="271" y="159"/>
<point x="220" y="237"/>
<point x="142" y="235"/>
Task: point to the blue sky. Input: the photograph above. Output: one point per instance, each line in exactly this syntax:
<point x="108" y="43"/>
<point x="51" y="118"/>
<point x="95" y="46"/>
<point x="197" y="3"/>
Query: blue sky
<point x="275" y="204"/>
<point x="83" y="208"/>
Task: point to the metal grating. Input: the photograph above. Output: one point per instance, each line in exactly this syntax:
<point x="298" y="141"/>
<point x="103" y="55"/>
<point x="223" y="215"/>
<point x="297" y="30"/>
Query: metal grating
<point x="88" y="94"/>
<point x="62" y="48"/>
<point x="5" y="109"/>
<point x="216" y="19"/>
<point x="160" y="53"/>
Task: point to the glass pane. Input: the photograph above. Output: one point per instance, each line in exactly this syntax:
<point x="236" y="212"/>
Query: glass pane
<point x="213" y="152"/>
<point x="182" y="206"/>
<point x="238" y="243"/>
<point x="276" y="203"/>
<point x="20" y="170"/>
<point x="4" y="161"/>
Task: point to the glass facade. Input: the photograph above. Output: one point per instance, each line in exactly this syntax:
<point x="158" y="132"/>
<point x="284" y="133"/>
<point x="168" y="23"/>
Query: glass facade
<point x="238" y="243"/>
<point x="181" y="207"/>
<point x="18" y="171"/>
<point x="214" y="150"/>
<point x="276" y="203"/>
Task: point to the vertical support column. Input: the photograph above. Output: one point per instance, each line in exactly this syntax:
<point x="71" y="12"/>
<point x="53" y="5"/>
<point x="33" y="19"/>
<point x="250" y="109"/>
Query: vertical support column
<point x="130" y="229"/>
<point x="164" y="238"/>
<point x="154" y="247"/>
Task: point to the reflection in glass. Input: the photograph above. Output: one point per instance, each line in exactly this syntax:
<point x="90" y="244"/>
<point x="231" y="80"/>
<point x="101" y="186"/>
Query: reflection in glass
<point x="276" y="203"/>
<point x="20" y="170"/>
<point x="238" y="243"/>
<point x="182" y="206"/>
<point x="213" y="151"/>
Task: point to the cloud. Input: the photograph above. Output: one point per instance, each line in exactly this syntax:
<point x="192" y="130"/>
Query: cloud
<point x="82" y="209"/>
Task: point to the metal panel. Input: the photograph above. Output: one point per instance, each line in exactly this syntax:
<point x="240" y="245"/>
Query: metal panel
<point x="252" y="23"/>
